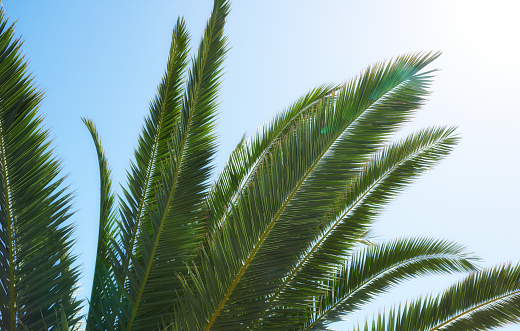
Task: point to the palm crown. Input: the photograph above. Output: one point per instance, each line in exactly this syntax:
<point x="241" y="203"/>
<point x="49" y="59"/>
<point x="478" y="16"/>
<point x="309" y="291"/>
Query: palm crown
<point x="278" y="241"/>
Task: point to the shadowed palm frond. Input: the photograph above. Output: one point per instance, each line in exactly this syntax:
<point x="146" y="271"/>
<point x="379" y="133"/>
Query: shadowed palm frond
<point x="38" y="279"/>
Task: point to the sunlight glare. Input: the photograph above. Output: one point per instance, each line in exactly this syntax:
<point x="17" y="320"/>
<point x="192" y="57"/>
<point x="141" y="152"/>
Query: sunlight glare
<point x="487" y="30"/>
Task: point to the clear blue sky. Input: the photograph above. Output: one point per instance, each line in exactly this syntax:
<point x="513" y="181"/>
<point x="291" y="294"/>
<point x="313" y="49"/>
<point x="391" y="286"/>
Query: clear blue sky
<point x="104" y="59"/>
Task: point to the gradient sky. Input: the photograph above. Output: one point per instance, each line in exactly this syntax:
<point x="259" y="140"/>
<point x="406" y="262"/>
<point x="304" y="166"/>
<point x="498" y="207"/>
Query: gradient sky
<point x="104" y="59"/>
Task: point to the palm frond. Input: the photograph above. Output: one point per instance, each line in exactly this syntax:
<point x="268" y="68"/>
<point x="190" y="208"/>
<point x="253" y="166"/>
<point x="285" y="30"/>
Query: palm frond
<point x="116" y="272"/>
<point x="37" y="275"/>
<point x="232" y="250"/>
<point x="251" y="152"/>
<point x="374" y="270"/>
<point x="386" y="175"/>
<point x="153" y="145"/>
<point x="362" y="112"/>
<point x="102" y="313"/>
<point x="389" y="171"/>
<point x="482" y="301"/>
<point x="175" y="218"/>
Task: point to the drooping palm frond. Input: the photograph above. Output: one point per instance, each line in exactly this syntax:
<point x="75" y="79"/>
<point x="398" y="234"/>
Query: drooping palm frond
<point x="38" y="279"/>
<point x="482" y="301"/>
<point x="374" y="270"/>
<point x="366" y="123"/>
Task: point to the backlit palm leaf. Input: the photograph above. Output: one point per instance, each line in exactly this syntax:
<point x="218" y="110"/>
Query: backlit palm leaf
<point x="389" y="171"/>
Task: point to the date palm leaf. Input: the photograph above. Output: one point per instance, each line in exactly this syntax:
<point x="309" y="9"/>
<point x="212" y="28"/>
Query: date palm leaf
<point x="484" y="300"/>
<point x="172" y="229"/>
<point x="38" y="277"/>
<point x="387" y="174"/>
<point x="374" y="270"/>
<point x="101" y="314"/>
<point x="290" y="204"/>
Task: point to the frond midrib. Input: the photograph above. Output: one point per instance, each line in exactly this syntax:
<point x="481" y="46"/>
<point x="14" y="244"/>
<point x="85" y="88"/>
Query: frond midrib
<point x="10" y="231"/>
<point x="250" y="258"/>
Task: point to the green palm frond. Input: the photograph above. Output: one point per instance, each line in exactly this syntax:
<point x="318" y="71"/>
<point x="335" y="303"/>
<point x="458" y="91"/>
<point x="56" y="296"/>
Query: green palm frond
<point x="101" y="314"/>
<point x="175" y="217"/>
<point x="251" y="153"/>
<point x="387" y="174"/>
<point x="374" y="270"/>
<point x="115" y="272"/>
<point x="389" y="171"/>
<point x="37" y="274"/>
<point x="367" y="123"/>
<point x="259" y="208"/>
<point x="153" y="145"/>
<point x="358" y="106"/>
<point x="482" y="301"/>
<point x="253" y="217"/>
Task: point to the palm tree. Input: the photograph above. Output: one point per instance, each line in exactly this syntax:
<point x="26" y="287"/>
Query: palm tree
<point x="278" y="241"/>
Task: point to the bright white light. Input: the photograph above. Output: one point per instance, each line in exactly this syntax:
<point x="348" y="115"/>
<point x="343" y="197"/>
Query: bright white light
<point x="486" y="30"/>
